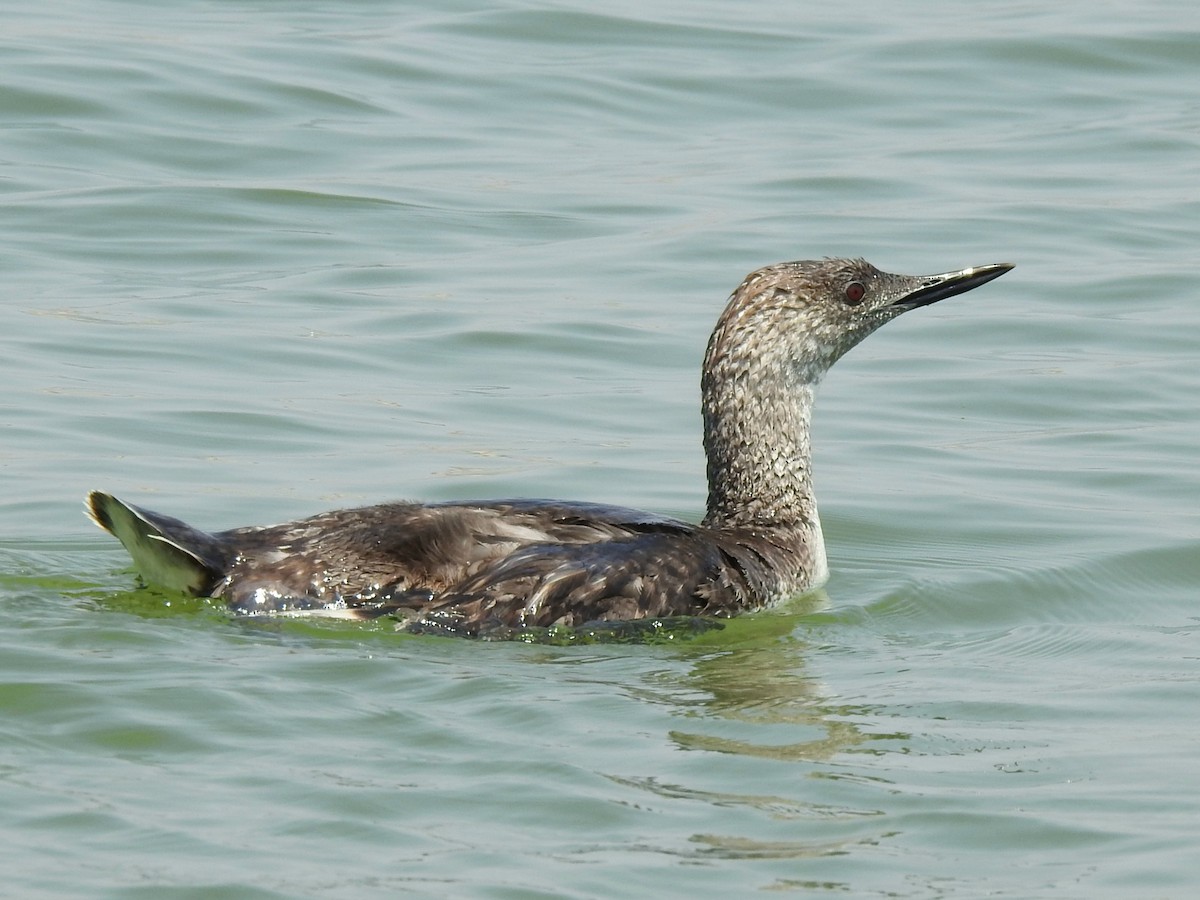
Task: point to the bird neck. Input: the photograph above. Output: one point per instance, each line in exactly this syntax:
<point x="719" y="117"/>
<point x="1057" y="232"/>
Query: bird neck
<point x="756" y="438"/>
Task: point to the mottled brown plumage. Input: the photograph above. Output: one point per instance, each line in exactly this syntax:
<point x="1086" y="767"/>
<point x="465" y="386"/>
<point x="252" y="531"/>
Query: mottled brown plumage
<point x="495" y="566"/>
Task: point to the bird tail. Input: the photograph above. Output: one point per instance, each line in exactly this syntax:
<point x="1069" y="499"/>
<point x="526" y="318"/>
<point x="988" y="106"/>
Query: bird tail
<point x="165" y="551"/>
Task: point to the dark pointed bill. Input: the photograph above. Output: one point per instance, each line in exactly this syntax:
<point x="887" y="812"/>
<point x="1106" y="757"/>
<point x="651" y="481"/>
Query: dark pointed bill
<point x="932" y="288"/>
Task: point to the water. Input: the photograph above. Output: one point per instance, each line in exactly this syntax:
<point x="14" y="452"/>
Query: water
<point x="261" y="260"/>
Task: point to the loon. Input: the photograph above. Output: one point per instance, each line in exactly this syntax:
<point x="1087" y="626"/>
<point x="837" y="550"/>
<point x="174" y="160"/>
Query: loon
<point x="480" y="568"/>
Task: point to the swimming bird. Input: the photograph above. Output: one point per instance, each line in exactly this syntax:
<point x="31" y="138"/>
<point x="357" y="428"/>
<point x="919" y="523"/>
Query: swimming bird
<point x="481" y="568"/>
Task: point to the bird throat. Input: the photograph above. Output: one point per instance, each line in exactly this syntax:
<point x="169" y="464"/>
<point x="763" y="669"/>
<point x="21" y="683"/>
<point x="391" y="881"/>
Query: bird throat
<point x="759" y="457"/>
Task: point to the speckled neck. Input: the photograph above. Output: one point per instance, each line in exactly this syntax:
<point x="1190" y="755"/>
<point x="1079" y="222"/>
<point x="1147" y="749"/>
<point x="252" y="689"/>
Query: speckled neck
<point x="756" y="438"/>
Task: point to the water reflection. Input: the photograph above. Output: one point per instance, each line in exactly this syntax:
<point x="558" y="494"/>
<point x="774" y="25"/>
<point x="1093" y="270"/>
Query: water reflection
<point x="766" y="721"/>
<point x="762" y="681"/>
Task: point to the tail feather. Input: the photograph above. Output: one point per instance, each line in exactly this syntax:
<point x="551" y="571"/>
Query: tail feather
<point x="165" y="551"/>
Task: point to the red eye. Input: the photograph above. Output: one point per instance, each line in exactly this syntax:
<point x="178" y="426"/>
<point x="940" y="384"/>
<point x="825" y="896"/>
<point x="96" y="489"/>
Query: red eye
<point x="855" y="292"/>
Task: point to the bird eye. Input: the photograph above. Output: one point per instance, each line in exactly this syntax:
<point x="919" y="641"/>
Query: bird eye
<point x="855" y="292"/>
